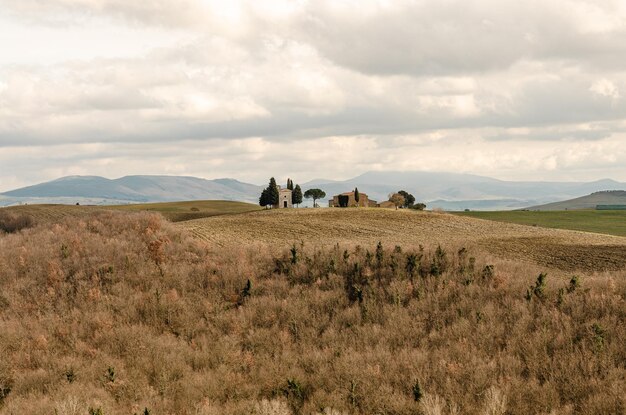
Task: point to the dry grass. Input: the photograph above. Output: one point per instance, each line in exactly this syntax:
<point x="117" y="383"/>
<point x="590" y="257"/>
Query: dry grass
<point x="196" y="209"/>
<point x="551" y="248"/>
<point x="172" y="211"/>
<point x="126" y="312"/>
<point x="50" y="213"/>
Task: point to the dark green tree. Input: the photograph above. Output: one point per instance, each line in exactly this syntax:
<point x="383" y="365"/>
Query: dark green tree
<point x="263" y="200"/>
<point x="289" y="184"/>
<point x="418" y="392"/>
<point x="273" y="195"/>
<point x="270" y="195"/>
<point x="296" y="196"/>
<point x="357" y="196"/>
<point x="314" y="194"/>
<point x="418" y="206"/>
<point x="409" y="199"/>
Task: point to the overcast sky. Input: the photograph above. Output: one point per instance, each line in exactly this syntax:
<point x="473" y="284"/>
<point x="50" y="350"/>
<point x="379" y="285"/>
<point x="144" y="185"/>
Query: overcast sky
<point x="521" y="90"/>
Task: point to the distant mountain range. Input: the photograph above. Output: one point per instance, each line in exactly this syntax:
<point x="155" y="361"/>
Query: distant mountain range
<point x="449" y="191"/>
<point x="131" y="189"/>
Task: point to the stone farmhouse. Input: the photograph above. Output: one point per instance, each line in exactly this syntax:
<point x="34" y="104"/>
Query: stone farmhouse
<point x="347" y="200"/>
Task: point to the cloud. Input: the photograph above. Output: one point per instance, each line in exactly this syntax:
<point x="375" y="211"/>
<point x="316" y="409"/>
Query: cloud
<point x="517" y="87"/>
<point x="452" y="37"/>
<point x="179" y="13"/>
<point x="606" y="88"/>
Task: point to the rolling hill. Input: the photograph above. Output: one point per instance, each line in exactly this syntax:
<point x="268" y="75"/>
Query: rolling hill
<point x="616" y="197"/>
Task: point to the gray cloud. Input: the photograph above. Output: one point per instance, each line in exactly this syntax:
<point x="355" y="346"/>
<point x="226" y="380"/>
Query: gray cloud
<point x="519" y="87"/>
<point x="435" y="38"/>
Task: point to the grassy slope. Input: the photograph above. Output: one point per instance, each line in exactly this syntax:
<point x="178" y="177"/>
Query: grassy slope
<point x="586" y="202"/>
<point x="607" y="221"/>
<point x="553" y="249"/>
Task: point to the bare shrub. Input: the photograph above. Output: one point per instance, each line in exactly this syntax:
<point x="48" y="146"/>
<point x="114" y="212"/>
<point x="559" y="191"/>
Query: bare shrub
<point x="432" y="405"/>
<point x="70" y="406"/>
<point x="14" y="222"/>
<point x="331" y="411"/>
<point x="273" y="407"/>
<point x="495" y="402"/>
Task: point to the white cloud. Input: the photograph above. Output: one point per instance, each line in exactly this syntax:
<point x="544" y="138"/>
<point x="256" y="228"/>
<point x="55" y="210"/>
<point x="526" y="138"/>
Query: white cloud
<point x="605" y="88"/>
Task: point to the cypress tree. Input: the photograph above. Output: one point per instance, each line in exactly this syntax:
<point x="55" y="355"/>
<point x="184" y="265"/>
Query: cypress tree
<point x="296" y="196"/>
<point x="289" y="184"/>
<point x="273" y="195"/>
<point x="357" y="196"/>
<point x="263" y="199"/>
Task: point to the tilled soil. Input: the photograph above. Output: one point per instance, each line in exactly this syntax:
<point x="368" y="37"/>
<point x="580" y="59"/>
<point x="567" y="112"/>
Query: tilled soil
<point x="552" y="253"/>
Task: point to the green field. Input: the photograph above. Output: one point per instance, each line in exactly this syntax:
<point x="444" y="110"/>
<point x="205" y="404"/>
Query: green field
<point x="611" y="222"/>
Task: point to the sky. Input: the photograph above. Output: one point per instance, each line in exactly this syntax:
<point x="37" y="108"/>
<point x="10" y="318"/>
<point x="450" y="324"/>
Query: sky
<point x="532" y="90"/>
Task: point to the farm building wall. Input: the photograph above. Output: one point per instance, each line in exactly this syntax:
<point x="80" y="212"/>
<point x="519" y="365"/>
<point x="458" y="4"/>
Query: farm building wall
<point x="341" y="201"/>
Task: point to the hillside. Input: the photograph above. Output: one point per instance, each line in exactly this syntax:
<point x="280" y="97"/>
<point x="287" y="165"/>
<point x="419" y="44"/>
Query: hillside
<point x="131" y="189"/>
<point x="557" y="249"/>
<point x="611" y="222"/>
<point x="246" y="224"/>
<point x="125" y="313"/>
<point x="173" y="211"/>
<point x="615" y="197"/>
<point x="189" y="210"/>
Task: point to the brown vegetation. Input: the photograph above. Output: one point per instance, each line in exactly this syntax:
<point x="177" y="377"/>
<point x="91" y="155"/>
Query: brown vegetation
<point x="126" y="313"/>
<point x="172" y="211"/>
<point x="557" y="255"/>
<point x="11" y="222"/>
<point x="553" y="249"/>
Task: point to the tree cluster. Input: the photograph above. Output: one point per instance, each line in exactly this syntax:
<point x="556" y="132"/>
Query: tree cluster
<point x="397" y="199"/>
<point x="270" y="195"/>
<point x="406" y="200"/>
<point x="409" y="199"/>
